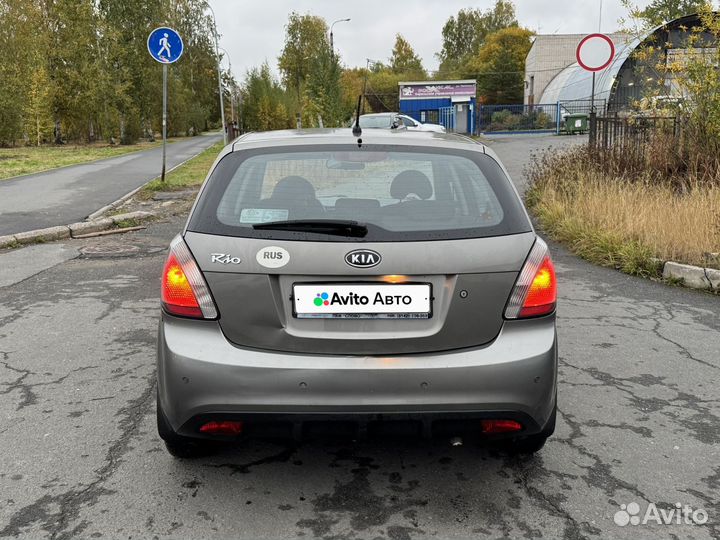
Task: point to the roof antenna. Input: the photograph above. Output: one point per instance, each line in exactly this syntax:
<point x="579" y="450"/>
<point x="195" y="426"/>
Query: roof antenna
<point x="357" y="130"/>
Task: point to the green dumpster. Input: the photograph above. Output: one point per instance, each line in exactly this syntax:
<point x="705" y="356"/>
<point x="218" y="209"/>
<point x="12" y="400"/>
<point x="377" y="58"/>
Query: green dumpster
<point x="576" y="123"/>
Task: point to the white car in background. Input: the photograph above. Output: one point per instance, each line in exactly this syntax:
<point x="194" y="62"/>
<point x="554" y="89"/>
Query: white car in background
<point x="391" y="120"/>
<point x="414" y="125"/>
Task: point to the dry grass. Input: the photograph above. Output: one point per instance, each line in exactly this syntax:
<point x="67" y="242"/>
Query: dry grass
<point x="624" y="223"/>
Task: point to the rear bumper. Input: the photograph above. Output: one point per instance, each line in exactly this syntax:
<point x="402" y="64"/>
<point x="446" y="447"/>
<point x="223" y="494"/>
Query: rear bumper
<point x="201" y="376"/>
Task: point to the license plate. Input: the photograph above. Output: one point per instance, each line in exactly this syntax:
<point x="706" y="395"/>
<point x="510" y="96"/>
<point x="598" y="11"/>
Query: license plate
<point x="362" y="301"/>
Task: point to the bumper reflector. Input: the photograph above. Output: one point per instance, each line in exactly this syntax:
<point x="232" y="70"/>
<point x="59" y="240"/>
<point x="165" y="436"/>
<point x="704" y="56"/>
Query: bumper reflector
<point x="500" y="426"/>
<point x="226" y="427"/>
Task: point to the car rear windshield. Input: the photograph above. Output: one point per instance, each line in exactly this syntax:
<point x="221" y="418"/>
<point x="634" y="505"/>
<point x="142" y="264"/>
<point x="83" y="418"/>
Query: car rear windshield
<point x="395" y="193"/>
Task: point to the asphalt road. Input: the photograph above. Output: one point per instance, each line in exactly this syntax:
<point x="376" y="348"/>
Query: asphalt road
<point x="639" y="423"/>
<point x="70" y="194"/>
<point x="518" y="152"/>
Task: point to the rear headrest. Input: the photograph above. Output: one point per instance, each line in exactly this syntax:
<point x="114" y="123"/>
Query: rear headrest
<point x="293" y="187"/>
<point x="408" y="182"/>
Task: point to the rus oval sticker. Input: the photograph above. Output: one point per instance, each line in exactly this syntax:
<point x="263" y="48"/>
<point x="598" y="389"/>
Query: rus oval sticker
<point x="272" y="257"/>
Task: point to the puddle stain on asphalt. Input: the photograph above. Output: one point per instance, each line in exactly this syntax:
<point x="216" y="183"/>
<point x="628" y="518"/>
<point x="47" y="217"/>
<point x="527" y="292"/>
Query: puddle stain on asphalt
<point x="356" y="500"/>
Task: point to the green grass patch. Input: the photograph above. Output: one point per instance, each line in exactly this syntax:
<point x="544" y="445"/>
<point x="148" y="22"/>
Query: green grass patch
<point x="188" y="175"/>
<point x="34" y="159"/>
<point x="125" y="223"/>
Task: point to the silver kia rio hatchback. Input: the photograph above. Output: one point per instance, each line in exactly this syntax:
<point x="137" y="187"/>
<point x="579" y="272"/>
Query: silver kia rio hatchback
<point x="380" y="285"/>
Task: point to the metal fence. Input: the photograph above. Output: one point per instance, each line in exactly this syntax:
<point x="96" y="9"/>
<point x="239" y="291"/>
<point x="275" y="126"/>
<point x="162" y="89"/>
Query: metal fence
<point x="447" y="118"/>
<point x="547" y="117"/>
<point x="618" y="133"/>
<point x="516" y="118"/>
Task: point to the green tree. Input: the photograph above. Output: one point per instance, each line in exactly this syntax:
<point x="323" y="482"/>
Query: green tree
<point x="323" y="92"/>
<point x="133" y="93"/>
<point x="658" y="12"/>
<point x="38" y="108"/>
<point x="265" y="102"/>
<point x="305" y="39"/>
<point x="84" y="65"/>
<point x="22" y="53"/>
<point x="196" y="74"/>
<point x="73" y="67"/>
<point x="382" y="90"/>
<point x="691" y="79"/>
<point x="405" y="61"/>
<point x="352" y="81"/>
<point x="464" y="34"/>
<point x="499" y="65"/>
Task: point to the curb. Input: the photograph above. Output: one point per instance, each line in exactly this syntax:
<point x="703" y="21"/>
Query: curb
<point x="107" y="208"/>
<point x="73" y="230"/>
<point x="695" y="277"/>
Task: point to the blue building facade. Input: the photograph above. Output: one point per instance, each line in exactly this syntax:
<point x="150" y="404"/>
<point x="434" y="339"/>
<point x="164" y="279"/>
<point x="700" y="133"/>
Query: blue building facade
<point x="450" y="103"/>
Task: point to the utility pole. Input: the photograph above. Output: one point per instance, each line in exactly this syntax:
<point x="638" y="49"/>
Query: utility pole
<point x="233" y="90"/>
<point x="220" y="88"/>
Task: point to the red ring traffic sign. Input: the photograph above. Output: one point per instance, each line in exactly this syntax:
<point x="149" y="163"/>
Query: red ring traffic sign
<point x="595" y="52"/>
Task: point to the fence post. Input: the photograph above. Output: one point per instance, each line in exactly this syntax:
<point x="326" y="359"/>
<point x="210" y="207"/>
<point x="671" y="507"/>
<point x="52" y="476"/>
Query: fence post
<point x="557" y="118"/>
<point x="593" y="129"/>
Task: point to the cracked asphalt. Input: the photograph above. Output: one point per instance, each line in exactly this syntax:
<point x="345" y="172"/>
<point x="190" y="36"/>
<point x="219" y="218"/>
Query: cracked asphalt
<point x="639" y="422"/>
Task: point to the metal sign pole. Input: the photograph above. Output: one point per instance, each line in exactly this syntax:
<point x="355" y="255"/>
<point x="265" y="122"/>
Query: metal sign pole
<point x="165" y="46"/>
<point x="164" y="120"/>
<point x="594" y="53"/>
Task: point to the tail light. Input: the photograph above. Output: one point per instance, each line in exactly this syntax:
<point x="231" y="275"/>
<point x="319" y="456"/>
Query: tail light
<point x="224" y="427"/>
<point x="535" y="291"/>
<point x="184" y="291"/>
<point x="500" y="426"/>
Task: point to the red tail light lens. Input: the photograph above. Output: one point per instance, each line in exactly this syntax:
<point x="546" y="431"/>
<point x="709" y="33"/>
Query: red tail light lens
<point x="535" y="291"/>
<point x="184" y="291"/>
<point x="542" y="295"/>
<point x="177" y="294"/>
<point x="500" y="426"/>
<point x="225" y="427"/>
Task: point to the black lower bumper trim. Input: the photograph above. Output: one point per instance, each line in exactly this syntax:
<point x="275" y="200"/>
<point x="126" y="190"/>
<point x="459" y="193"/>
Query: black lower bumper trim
<point x="301" y="425"/>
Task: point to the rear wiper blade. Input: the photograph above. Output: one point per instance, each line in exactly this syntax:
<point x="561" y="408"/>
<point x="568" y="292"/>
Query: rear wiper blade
<point x="340" y="227"/>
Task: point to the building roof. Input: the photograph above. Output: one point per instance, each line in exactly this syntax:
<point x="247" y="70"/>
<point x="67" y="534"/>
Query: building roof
<point x="549" y="55"/>
<point x="574" y="83"/>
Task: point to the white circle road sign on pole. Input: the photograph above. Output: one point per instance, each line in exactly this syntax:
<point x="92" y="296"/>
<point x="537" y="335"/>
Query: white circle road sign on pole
<point x="595" y="52"/>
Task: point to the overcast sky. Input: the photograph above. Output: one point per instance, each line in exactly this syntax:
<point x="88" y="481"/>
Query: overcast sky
<point x="253" y="31"/>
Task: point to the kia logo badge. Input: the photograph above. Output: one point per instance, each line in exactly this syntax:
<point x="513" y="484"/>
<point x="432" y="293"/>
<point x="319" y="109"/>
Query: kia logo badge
<point x="363" y="258"/>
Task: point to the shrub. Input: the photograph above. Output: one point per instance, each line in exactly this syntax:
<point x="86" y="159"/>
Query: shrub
<point x="621" y="221"/>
